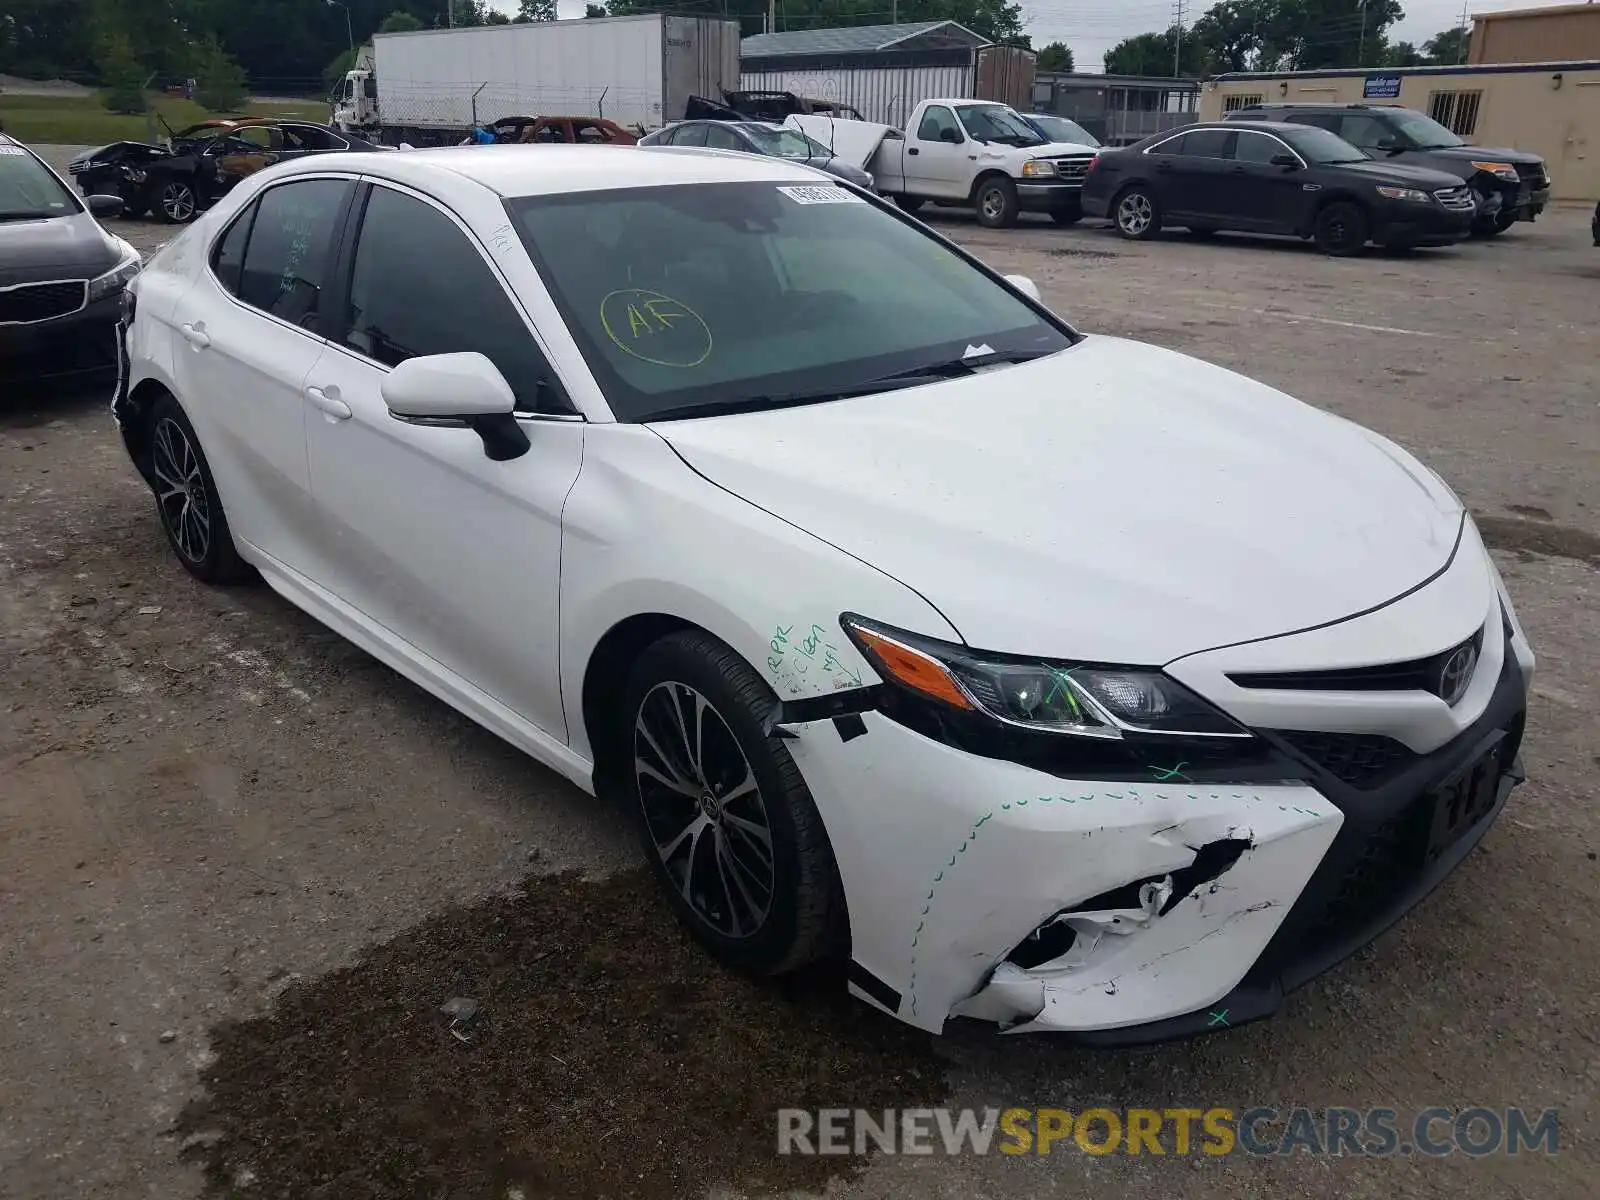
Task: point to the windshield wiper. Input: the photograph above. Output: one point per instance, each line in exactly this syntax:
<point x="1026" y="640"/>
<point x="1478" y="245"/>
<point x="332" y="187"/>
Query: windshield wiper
<point x="951" y="369"/>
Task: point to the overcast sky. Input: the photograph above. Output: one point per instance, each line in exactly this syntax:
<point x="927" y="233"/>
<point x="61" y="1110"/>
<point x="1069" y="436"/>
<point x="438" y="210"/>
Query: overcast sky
<point x="1094" y="26"/>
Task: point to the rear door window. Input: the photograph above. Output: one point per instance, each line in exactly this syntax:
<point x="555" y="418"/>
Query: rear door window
<point x="690" y="135"/>
<point x="1206" y="143"/>
<point x="291" y="246"/>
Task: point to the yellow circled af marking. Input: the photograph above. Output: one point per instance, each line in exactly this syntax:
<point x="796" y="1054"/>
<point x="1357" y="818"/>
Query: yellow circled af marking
<point x="660" y="329"/>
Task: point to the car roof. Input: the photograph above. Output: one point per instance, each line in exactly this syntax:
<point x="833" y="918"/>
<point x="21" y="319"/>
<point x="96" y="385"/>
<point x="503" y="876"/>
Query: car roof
<point x="1230" y="126"/>
<point x="556" y="168"/>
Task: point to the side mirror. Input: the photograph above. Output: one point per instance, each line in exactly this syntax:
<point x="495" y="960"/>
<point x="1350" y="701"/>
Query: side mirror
<point x="1389" y="145"/>
<point x="456" y="391"/>
<point x="953" y="136"/>
<point x="1026" y="286"/>
<point x="104" y="206"/>
<point x="1286" y="160"/>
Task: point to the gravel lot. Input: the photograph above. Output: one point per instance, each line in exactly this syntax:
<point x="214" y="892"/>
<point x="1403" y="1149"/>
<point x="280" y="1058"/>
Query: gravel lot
<point x="241" y="863"/>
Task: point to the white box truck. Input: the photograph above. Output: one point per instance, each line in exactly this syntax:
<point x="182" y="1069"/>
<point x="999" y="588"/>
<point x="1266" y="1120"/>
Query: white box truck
<point x="434" y="85"/>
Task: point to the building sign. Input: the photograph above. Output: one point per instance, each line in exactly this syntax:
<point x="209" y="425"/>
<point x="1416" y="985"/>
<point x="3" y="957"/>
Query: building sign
<point x="1381" y="87"/>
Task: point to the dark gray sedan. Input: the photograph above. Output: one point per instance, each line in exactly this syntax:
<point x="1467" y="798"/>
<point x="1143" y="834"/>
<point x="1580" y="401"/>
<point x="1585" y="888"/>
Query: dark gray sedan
<point x="759" y="137"/>
<point x="61" y="275"/>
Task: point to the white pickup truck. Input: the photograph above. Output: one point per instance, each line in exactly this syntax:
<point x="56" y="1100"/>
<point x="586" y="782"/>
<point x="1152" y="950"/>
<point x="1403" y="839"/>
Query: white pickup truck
<point x="963" y="152"/>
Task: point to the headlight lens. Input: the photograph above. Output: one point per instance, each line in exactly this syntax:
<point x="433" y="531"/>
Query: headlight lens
<point x="1079" y="700"/>
<point x="1038" y="166"/>
<point x="114" y="280"/>
<point x="1499" y="170"/>
<point x="1400" y="193"/>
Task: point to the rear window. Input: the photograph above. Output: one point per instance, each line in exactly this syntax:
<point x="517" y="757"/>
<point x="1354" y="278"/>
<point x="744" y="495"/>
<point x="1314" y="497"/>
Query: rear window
<point x="711" y="293"/>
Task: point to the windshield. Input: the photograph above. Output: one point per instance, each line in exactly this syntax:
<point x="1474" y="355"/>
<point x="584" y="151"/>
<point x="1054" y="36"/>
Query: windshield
<point x="1424" y="132"/>
<point x="705" y="296"/>
<point x="1059" y="129"/>
<point x="1322" y="146"/>
<point x="28" y="189"/>
<point x="785" y="143"/>
<point x="997" y="123"/>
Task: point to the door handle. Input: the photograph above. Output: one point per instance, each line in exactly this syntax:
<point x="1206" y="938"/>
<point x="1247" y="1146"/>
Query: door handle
<point x="913" y="150"/>
<point x="327" y="400"/>
<point x="1239" y="171"/>
<point x="196" y="335"/>
<point x="1163" y="168"/>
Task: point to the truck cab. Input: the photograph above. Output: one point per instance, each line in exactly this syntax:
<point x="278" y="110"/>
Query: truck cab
<point x="969" y="152"/>
<point x="355" y="105"/>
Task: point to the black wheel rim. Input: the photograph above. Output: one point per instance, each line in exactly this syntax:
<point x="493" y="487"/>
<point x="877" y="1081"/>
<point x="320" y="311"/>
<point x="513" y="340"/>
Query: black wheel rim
<point x="181" y="491"/>
<point x="177" y="201"/>
<point x="704" y="809"/>
<point x="1340" y="232"/>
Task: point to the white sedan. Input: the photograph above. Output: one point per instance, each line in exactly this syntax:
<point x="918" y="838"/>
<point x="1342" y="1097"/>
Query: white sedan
<point x="1044" y="678"/>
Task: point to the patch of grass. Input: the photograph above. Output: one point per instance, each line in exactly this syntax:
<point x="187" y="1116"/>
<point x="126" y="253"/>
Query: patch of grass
<point x="84" y="121"/>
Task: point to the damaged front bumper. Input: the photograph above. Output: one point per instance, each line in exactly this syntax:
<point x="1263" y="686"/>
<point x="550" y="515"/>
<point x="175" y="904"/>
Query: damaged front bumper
<point x="1129" y="913"/>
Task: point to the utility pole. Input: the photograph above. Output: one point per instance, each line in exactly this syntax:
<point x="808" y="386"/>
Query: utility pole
<point x="1466" y="36"/>
<point x="1361" y="45"/>
<point x="772" y="16"/>
<point x="450" y="13"/>
<point x="1177" y="45"/>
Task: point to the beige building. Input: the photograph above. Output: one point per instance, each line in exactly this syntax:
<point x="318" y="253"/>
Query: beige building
<point x="1536" y="35"/>
<point x="1551" y="109"/>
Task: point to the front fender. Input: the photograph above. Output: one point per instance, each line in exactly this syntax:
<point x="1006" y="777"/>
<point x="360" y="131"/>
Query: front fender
<point x="642" y="533"/>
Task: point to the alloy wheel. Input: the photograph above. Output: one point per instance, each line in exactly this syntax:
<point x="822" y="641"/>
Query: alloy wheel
<point x="1134" y="213"/>
<point x="994" y="204"/>
<point x="181" y="490"/>
<point x="177" y="202"/>
<point x="704" y="810"/>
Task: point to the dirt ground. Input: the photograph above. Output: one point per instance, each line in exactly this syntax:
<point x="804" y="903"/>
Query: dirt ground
<point x="242" y="865"/>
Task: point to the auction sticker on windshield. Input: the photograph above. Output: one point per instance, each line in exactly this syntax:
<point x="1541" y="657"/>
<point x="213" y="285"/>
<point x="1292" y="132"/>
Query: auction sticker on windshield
<point x="821" y="195"/>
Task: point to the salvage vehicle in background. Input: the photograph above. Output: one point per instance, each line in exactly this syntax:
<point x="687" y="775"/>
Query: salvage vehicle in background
<point x="593" y="447"/>
<point x="759" y="137"/>
<point x="574" y="131"/>
<point x="61" y="274"/>
<point x="1507" y="185"/>
<point x="200" y="163"/>
<point x="1053" y="128"/>
<point x="961" y="153"/>
<point x="1275" y="178"/>
<point x="775" y="107"/>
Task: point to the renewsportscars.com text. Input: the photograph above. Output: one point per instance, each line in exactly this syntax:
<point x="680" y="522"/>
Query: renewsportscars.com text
<point x="1375" y="1132"/>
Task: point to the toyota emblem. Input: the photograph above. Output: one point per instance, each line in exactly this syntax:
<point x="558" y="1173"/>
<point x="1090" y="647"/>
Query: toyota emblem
<point x="1456" y="673"/>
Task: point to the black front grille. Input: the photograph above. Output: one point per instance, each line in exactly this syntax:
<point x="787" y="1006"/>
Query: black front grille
<point x="1414" y="675"/>
<point x="1362" y="760"/>
<point x="41" y="301"/>
<point x="1378" y="866"/>
<point x="1531" y="173"/>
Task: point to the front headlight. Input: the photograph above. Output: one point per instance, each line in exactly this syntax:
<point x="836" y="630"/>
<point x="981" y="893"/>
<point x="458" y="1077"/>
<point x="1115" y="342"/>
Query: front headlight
<point x="114" y="280"/>
<point x="1036" y="167"/>
<point x="1415" y="195"/>
<point x="1499" y="170"/>
<point x="1076" y="699"/>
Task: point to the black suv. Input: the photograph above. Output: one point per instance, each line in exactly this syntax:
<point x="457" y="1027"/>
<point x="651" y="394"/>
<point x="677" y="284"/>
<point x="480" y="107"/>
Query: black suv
<point x="1507" y="185"/>
<point x="1270" y="177"/>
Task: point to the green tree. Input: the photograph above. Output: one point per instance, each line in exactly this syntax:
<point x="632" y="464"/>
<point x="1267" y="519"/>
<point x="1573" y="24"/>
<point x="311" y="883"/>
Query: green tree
<point x="1447" y="48"/>
<point x="1403" y="54"/>
<point x="399" y="21"/>
<point x="537" y="10"/>
<point x="1057" y="56"/>
<point x="220" y="80"/>
<point x="1153" y="54"/>
<point x="595" y="10"/>
<point x="122" y="74"/>
<point x="335" y="71"/>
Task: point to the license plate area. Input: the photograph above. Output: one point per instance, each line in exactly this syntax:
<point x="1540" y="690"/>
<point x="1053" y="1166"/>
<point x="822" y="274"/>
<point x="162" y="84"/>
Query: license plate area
<point x="1466" y="797"/>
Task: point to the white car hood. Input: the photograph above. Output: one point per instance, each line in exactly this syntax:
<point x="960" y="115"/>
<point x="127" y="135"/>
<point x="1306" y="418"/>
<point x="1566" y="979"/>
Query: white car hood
<point x="1114" y="503"/>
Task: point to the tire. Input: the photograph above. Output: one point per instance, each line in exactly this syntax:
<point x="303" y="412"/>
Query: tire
<point x="1342" y="229"/>
<point x="909" y="204"/>
<point x="1067" y="216"/>
<point x="1136" y="213"/>
<point x="187" y="503"/>
<point x="995" y="198"/>
<point x="790" y="908"/>
<point x="176" y="202"/>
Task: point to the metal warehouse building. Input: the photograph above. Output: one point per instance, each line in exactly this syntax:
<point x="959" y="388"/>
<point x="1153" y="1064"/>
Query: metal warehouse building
<point x="1551" y="108"/>
<point x="1531" y="35"/>
<point x="883" y="71"/>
